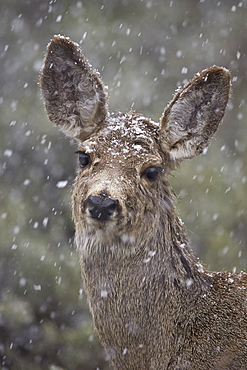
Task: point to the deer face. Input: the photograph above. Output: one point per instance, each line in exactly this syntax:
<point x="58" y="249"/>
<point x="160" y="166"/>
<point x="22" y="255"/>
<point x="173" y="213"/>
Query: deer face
<point x="121" y="188"/>
<point x="121" y="174"/>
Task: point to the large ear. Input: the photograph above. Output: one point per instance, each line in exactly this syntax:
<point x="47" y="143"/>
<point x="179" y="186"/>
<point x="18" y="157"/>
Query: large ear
<point x="74" y="95"/>
<point x="193" y="116"/>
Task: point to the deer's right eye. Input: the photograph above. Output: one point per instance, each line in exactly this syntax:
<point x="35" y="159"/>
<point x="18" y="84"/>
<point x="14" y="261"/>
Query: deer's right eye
<point x="84" y="158"/>
<point x="152" y="172"/>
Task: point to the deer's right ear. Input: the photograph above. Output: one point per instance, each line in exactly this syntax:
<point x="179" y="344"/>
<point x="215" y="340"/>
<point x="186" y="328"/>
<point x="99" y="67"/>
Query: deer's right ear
<point x="193" y="116"/>
<point x="74" y="95"/>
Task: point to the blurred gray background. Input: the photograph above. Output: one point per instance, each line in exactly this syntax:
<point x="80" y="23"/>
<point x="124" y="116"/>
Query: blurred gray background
<point x="143" y="50"/>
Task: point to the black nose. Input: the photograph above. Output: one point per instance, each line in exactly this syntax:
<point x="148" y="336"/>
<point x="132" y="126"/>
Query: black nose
<point x="101" y="208"/>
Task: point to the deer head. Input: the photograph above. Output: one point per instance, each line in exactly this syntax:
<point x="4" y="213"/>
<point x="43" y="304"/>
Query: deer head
<point x="124" y="159"/>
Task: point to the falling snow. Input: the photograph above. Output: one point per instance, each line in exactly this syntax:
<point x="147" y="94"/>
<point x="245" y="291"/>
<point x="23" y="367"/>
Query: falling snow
<point x="62" y="184"/>
<point x="143" y="50"/>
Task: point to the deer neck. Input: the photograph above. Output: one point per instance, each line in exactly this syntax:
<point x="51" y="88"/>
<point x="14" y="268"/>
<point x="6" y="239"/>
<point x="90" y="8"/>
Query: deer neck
<point x="143" y="290"/>
<point x="162" y="254"/>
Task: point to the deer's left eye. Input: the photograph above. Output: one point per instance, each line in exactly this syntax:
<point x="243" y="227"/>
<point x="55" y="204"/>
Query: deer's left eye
<point x="152" y="172"/>
<point x="84" y="158"/>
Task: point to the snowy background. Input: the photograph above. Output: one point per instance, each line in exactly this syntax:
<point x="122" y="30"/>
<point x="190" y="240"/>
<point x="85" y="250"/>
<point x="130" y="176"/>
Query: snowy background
<point x="143" y="50"/>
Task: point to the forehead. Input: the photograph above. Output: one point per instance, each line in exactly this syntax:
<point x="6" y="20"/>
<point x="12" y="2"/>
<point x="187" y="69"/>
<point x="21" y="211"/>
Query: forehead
<point x="124" y="134"/>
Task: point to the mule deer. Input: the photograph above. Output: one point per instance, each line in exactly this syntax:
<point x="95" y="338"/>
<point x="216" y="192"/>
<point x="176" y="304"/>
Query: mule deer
<point x="153" y="304"/>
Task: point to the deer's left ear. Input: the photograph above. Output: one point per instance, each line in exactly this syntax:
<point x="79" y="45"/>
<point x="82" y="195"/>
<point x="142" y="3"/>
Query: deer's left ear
<point x="193" y="116"/>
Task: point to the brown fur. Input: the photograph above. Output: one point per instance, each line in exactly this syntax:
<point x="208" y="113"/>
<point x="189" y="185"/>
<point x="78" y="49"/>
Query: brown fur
<point x="153" y="304"/>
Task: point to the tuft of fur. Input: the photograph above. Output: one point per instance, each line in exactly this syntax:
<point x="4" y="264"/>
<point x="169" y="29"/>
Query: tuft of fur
<point x="153" y="304"/>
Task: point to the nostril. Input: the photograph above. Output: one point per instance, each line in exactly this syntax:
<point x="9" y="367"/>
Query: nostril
<point x="110" y="204"/>
<point x="100" y="208"/>
<point x="94" y="201"/>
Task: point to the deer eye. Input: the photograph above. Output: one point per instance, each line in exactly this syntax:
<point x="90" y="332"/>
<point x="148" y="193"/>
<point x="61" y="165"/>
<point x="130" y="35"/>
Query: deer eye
<point x="152" y="172"/>
<point x="84" y="158"/>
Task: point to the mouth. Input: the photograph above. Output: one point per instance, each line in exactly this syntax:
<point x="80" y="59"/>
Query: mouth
<point x="112" y="227"/>
<point x="100" y="222"/>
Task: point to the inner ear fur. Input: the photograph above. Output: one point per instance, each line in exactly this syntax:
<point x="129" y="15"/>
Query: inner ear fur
<point x="74" y="94"/>
<point x="194" y="114"/>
